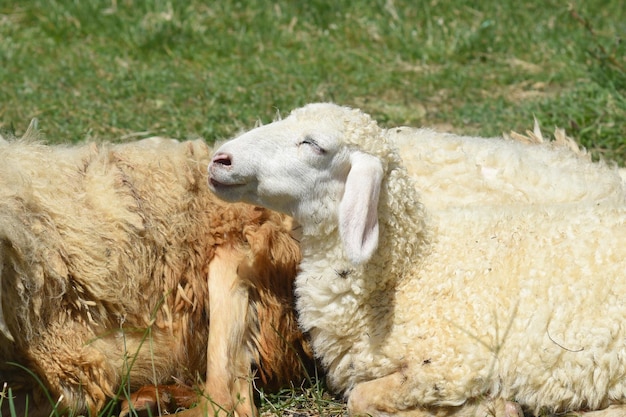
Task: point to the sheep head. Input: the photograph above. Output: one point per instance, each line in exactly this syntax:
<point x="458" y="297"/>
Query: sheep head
<point x="316" y="166"/>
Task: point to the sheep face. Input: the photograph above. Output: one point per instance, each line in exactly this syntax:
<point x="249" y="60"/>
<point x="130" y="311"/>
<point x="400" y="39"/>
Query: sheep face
<point x="304" y="166"/>
<point x="280" y="164"/>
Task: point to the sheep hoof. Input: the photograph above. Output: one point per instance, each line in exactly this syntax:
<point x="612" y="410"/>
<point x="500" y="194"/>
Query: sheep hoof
<point x="154" y="400"/>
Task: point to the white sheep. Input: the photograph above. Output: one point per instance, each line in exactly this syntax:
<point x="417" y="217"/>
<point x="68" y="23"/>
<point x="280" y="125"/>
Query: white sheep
<point x="119" y="268"/>
<point x="453" y="311"/>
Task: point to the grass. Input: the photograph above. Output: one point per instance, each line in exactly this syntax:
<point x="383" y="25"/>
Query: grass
<point x="125" y="69"/>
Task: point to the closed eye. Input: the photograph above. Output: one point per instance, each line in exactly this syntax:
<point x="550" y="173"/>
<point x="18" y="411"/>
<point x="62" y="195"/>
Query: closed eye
<point x="309" y="141"/>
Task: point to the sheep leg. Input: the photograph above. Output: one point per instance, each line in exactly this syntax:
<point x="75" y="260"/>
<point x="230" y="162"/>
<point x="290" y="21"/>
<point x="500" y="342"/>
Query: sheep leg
<point x="388" y="396"/>
<point x="227" y="387"/>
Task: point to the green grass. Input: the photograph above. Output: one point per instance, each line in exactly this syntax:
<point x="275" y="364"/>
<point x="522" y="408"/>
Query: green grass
<point x="120" y="69"/>
<point x="125" y="69"/>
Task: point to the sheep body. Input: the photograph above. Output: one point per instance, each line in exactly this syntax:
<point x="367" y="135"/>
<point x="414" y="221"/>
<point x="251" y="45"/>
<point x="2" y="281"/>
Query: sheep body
<point x="460" y="170"/>
<point x="450" y="311"/>
<point x="105" y="253"/>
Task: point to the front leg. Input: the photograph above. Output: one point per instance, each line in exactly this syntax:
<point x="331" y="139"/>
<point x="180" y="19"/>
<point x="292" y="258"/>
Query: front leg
<point x="386" y="396"/>
<point x="228" y="387"/>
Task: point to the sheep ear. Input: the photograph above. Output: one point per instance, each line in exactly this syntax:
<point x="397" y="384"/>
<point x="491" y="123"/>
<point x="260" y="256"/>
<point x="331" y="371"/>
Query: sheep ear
<point x="358" y="210"/>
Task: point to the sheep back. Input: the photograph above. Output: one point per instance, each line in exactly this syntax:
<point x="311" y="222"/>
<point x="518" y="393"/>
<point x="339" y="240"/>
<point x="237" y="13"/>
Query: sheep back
<point x="451" y="170"/>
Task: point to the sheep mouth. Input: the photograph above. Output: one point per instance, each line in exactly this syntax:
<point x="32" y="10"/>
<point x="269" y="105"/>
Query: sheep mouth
<point x="215" y="184"/>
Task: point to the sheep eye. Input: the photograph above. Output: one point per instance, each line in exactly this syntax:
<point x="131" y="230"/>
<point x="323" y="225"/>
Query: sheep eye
<point x="312" y="143"/>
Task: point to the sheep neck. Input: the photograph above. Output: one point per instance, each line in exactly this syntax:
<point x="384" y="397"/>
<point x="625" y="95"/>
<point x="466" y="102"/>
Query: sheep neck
<point x="335" y="297"/>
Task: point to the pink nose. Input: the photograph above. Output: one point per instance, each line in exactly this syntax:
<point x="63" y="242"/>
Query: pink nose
<point x="222" y="158"/>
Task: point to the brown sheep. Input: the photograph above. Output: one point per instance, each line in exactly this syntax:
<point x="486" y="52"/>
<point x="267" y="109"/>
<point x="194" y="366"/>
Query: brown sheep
<point x="120" y="269"/>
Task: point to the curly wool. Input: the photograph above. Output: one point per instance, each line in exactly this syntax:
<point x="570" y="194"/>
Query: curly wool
<point x="463" y="170"/>
<point x="482" y="276"/>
